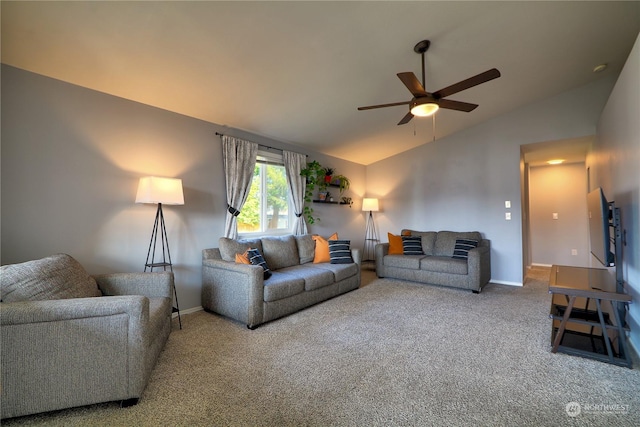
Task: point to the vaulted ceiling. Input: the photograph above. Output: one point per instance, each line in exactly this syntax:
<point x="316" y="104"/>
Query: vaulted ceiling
<point x="297" y="71"/>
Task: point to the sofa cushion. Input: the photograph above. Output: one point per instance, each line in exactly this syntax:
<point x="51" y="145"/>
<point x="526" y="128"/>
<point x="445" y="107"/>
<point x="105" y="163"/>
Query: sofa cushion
<point x="428" y="239"/>
<point x="230" y="247"/>
<point x="446" y="241"/>
<point x="314" y="278"/>
<point x="340" y="251"/>
<point x="403" y="261"/>
<point x="444" y="265"/>
<point x="280" y="252"/>
<point x="256" y="258"/>
<point x="55" y="277"/>
<point x="282" y="285"/>
<point x="462" y="248"/>
<point x="339" y="271"/>
<point x="306" y="248"/>
<point x="412" y="245"/>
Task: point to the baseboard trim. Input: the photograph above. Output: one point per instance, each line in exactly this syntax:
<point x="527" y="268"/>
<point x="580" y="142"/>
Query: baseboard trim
<point x="534" y="264"/>
<point x="188" y="311"/>
<point x="504" y="282"/>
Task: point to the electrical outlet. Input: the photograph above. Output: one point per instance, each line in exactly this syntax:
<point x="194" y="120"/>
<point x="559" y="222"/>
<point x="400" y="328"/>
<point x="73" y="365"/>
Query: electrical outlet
<point x="507" y="204"/>
<point x="574" y="252"/>
<point x="507" y="216"/>
<point x="554" y="215"/>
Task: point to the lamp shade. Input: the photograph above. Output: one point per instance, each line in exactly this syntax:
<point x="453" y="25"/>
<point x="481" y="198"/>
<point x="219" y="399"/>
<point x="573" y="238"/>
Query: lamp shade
<point x="370" y="205"/>
<point x="167" y="191"/>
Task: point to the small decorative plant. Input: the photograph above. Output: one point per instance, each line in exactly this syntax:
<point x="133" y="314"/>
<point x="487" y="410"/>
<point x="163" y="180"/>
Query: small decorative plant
<point x="328" y="174"/>
<point x="343" y="183"/>
<point x="318" y="178"/>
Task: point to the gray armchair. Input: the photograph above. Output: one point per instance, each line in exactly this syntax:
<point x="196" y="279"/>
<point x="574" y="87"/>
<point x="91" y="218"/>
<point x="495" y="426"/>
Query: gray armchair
<point x="75" y="351"/>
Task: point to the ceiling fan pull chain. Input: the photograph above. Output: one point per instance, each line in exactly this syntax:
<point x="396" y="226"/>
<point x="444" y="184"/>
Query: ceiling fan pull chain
<point x="434" y="127"/>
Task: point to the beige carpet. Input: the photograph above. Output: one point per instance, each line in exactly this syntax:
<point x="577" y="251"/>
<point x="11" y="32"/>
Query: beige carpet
<point x="389" y="354"/>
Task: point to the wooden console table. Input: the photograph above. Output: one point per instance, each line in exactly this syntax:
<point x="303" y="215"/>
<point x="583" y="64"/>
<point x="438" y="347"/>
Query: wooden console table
<point x="588" y="314"/>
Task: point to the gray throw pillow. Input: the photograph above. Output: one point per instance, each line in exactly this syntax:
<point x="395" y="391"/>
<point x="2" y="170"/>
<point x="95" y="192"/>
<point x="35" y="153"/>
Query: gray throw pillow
<point x="280" y="252"/>
<point x="306" y="248"/>
<point x="55" y="277"/>
<point x="446" y="241"/>
<point x="230" y="247"/>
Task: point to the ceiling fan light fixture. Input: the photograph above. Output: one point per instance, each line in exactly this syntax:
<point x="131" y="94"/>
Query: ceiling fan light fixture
<point x="424" y="109"/>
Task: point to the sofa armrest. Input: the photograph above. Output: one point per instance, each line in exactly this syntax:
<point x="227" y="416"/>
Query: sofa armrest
<point x="356" y="254"/>
<point x="16" y="313"/>
<point x="150" y="285"/>
<point x="381" y="250"/>
<point x="102" y="340"/>
<point x="479" y="266"/>
<point x="233" y="290"/>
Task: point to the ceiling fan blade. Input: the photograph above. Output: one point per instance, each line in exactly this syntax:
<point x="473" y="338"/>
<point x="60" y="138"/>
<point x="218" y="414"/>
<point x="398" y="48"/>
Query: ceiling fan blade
<point x="450" y="104"/>
<point x="393" y="104"/>
<point x="468" y="83"/>
<point x="412" y="83"/>
<point x="406" y="119"/>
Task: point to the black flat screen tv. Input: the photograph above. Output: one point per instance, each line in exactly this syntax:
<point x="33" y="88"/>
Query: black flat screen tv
<point x="599" y="223"/>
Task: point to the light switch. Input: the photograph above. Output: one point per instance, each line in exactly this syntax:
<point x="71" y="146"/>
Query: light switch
<point x="555" y="215"/>
<point x="507" y="204"/>
<point x="507" y="216"/>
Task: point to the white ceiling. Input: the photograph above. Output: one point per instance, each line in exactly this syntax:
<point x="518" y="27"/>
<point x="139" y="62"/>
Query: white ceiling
<point x="297" y="71"/>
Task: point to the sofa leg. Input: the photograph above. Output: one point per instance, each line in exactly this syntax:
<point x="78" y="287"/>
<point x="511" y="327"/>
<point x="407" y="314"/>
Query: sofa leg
<point x="129" y="402"/>
<point x="252" y="327"/>
<point x="475" y="292"/>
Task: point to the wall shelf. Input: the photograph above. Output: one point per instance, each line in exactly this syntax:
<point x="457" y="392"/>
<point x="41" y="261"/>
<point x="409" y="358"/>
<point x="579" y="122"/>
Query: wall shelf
<point x="328" y="202"/>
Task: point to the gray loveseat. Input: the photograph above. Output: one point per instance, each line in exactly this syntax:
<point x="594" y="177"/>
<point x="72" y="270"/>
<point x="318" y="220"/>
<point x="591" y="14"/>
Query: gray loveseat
<point x="437" y="265"/>
<point x="70" y="339"/>
<point x="239" y="291"/>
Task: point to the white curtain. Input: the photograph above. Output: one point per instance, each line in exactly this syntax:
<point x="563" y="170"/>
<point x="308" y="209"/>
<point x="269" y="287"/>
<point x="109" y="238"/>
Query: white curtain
<point x="293" y="164"/>
<point x="239" y="161"/>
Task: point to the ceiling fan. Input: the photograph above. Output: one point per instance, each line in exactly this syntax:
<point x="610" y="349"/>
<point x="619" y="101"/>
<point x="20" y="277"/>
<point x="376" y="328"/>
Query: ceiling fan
<point x="425" y="103"/>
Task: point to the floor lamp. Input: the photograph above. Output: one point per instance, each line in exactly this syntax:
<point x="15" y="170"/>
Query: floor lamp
<point x="161" y="191"/>
<point x="370" y="235"/>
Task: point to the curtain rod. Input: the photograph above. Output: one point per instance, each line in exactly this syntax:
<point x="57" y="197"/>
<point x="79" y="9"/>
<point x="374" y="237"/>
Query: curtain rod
<point x="261" y="145"/>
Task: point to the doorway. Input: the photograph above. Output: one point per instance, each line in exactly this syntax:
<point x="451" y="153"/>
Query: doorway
<point x="553" y="197"/>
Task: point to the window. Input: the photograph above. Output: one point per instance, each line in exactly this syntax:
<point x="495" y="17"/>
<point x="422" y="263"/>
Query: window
<point x="268" y="207"/>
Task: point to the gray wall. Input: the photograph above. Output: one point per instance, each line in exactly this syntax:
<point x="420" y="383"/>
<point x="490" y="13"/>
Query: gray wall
<point x="462" y="181"/>
<point x="560" y="189"/>
<point x="71" y="161"/>
<point x="615" y="166"/>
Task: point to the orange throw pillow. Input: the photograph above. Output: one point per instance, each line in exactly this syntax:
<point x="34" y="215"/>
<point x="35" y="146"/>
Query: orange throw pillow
<point x="322" y="248"/>
<point x="395" y="244"/>
<point x="243" y="258"/>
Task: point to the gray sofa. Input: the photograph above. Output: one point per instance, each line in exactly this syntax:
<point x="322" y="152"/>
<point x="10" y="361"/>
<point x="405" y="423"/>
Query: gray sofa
<point x="437" y="266"/>
<point x="70" y="339"/>
<point x="239" y="291"/>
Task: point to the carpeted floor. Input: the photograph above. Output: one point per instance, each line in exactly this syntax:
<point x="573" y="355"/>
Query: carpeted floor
<point x="391" y="353"/>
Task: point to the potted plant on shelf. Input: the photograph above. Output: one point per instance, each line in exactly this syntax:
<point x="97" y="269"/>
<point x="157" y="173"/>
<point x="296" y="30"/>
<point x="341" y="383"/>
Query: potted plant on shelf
<point x="342" y="182"/>
<point x="328" y="175"/>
